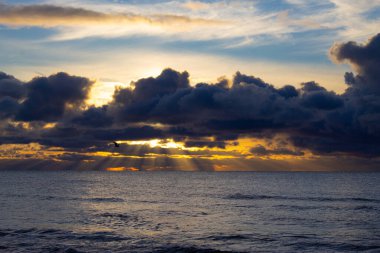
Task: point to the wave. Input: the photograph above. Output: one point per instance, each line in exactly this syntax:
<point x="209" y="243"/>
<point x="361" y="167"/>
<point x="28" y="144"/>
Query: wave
<point x="64" y="198"/>
<point x="317" y="199"/>
<point x="103" y="199"/>
<point x="228" y="237"/>
<point x="181" y="249"/>
<point x="328" y="207"/>
<point x="118" y="216"/>
<point x="63" y="250"/>
<point x="366" y="208"/>
<point x="323" y="246"/>
<point x="42" y="240"/>
<point x="62" y="234"/>
<point x="96" y="199"/>
<point x="241" y="237"/>
<point x="100" y="237"/>
<point x="63" y="241"/>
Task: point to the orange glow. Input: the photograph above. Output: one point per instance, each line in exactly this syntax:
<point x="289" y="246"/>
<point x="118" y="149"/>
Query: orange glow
<point x="221" y="167"/>
<point x="118" y="169"/>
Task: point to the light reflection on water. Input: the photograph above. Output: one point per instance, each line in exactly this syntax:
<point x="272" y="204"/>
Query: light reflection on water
<point x="189" y="212"/>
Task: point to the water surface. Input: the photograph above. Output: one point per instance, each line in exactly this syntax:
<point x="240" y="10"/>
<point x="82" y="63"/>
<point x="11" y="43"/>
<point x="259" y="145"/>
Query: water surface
<point x="189" y="212"/>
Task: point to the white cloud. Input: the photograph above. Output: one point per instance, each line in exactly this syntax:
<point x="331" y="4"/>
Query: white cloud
<point x="197" y="20"/>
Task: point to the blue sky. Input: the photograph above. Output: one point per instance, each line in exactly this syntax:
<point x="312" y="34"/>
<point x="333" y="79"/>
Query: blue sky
<point x="281" y="41"/>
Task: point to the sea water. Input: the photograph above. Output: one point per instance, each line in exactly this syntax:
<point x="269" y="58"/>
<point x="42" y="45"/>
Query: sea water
<point x="75" y="211"/>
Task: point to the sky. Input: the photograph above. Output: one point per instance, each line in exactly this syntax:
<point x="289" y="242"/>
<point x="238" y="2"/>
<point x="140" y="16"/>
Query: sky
<point x="263" y="85"/>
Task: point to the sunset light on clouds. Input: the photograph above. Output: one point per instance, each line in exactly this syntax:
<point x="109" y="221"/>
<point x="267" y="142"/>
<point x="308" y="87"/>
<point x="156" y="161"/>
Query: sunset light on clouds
<point x="190" y="85"/>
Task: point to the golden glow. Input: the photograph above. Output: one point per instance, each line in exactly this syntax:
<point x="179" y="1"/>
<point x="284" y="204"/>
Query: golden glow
<point x="35" y="15"/>
<point x="221" y="167"/>
<point x="29" y="151"/>
<point x="113" y="155"/>
<point x="49" y="125"/>
<point x="120" y="169"/>
<point x="192" y="156"/>
<point x="102" y="91"/>
<point x="236" y="155"/>
<point x="168" y="143"/>
<point x="153" y="71"/>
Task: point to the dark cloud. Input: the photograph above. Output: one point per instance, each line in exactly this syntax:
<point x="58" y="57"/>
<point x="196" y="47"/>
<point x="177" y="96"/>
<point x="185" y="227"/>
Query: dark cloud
<point x="129" y="133"/>
<point x="8" y="107"/>
<point x="365" y="58"/>
<point x="260" y="150"/>
<point x="288" y="91"/>
<point x="315" y="96"/>
<point x="49" y="97"/>
<point x="205" y="115"/>
<point x="11" y="87"/>
<point x="168" y="82"/>
<point x="208" y="144"/>
<point x="240" y="79"/>
<point x="312" y="117"/>
<point x="11" y="91"/>
<point x="94" y="117"/>
<point x="139" y="104"/>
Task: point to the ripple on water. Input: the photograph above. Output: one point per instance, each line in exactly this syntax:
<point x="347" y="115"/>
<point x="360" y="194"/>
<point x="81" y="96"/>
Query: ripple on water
<point x="104" y="199"/>
<point x="181" y="249"/>
<point x="240" y="196"/>
<point x="324" y="246"/>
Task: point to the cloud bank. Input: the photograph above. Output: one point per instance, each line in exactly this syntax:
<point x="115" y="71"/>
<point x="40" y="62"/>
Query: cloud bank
<point x="51" y="111"/>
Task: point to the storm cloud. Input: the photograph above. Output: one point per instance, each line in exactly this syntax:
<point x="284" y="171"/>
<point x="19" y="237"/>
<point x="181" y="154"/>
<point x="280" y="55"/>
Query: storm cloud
<point x="260" y="150"/>
<point x="365" y="59"/>
<point x="49" y="97"/>
<point x="309" y="118"/>
<point x="11" y="91"/>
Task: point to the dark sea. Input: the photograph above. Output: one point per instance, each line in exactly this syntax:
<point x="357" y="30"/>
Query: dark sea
<point x="189" y="212"/>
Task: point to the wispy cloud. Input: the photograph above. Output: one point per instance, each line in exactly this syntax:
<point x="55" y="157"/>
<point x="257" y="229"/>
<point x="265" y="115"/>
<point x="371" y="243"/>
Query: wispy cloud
<point x="195" y="20"/>
<point x="219" y="22"/>
<point x="196" y="5"/>
<point x="53" y="16"/>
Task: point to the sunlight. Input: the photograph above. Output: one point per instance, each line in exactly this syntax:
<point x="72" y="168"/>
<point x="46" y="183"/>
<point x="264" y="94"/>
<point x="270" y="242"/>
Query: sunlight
<point x="102" y="92"/>
<point x="119" y="169"/>
<point x="167" y="143"/>
<point x="152" y="71"/>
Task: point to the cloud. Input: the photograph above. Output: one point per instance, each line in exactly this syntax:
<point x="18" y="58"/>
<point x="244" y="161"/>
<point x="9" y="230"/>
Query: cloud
<point x="318" y="97"/>
<point x="240" y="19"/>
<point x="229" y="24"/>
<point x="309" y="119"/>
<point x="54" y="16"/>
<point x="260" y="150"/>
<point x="94" y="117"/>
<point x="11" y="87"/>
<point x="205" y="143"/>
<point x="11" y="91"/>
<point x="365" y="59"/>
<point x="8" y="107"/>
<point x="196" y="5"/>
<point x="48" y="98"/>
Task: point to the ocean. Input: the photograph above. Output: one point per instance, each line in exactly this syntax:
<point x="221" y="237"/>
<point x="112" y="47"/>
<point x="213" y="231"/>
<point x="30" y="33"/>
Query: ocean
<point x="72" y="211"/>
